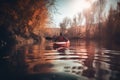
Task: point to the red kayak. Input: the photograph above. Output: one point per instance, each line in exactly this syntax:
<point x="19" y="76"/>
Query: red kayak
<point x="65" y="44"/>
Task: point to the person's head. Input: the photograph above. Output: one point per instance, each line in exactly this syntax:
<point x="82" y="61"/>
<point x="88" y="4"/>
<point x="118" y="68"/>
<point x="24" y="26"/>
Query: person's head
<point x="60" y="34"/>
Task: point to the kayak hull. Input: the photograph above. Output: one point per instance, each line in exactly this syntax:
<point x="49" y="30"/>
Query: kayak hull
<point x="61" y="44"/>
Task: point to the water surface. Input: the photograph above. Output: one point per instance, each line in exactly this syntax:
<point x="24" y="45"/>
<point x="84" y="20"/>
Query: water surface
<point x="91" y="60"/>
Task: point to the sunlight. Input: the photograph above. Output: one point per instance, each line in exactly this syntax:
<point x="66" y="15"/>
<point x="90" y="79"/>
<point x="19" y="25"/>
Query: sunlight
<point x="71" y="9"/>
<point x="79" y="5"/>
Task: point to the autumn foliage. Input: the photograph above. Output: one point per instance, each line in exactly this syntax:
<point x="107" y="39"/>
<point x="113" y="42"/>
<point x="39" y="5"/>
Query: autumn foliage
<point x="23" y="19"/>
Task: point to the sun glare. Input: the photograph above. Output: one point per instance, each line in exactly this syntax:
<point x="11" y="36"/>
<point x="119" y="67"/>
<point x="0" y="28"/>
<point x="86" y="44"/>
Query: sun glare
<point x="79" y="5"/>
<point x="73" y="8"/>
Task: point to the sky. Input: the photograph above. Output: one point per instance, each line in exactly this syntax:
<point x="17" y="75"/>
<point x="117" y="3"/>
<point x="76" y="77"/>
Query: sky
<point x="70" y="8"/>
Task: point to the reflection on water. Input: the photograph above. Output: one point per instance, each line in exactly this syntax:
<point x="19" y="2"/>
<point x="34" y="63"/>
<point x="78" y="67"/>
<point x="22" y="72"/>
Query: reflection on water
<point x="88" y="59"/>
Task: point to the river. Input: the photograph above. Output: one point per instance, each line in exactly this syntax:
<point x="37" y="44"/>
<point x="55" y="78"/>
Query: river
<point x="90" y="60"/>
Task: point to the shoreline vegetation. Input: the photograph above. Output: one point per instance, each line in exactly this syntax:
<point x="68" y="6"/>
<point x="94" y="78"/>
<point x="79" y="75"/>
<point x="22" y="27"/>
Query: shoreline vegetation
<point x="26" y="23"/>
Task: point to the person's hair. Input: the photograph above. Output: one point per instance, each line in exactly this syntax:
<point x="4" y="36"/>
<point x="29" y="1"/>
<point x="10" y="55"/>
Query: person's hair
<point x="60" y="34"/>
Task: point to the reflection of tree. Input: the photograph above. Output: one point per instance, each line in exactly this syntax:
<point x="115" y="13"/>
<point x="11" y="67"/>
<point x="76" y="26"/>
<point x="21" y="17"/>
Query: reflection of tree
<point x="115" y="74"/>
<point x="89" y="72"/>
<point x="114" y="60"/>
<point x="101" y="67"/>
<point x="43" y="68"/>
<point x="7" y="51"/>
<point x="13" y="59"/>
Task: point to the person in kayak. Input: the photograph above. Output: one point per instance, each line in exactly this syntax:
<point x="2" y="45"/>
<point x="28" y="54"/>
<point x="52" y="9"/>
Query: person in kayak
<point x="61" y="38"/>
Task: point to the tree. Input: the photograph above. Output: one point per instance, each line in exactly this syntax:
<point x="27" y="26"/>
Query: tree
<point x="89" y="15"/>
<point x="113" y="24"/>
<point x="99" y="6"/>
<point x="24" y="18"/>
<point x="64" y="24"/>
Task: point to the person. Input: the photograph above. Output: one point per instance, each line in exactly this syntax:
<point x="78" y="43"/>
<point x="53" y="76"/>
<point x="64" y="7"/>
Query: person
<point x="61" y="38"/>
